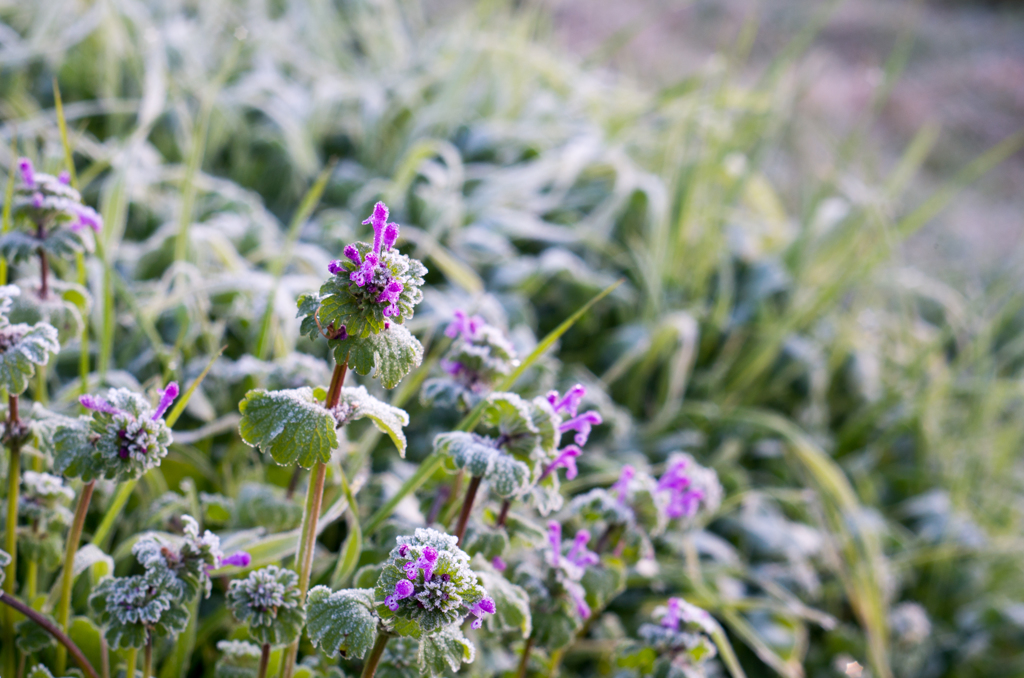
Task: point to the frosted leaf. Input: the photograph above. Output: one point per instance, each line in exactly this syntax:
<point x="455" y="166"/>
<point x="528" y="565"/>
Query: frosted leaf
<point x="389" y="354"/>
<point x="60" y="244"/>
<point x="445" y="650"/>
<point x="187" y="560"/>
<point x="260" y="505"/>
<point x="239" y="659"/>
<point x="238" y="648"/>
<point x="123" y="438"/>
<point x="132" y="607"/>
<point x="290" y="425"/>
<point x="61" y="307"/>
<point x="5" y="560"/>
<point x="506" y="475"/>
<point x="268" y="600"/>
<point x="39" y="670"/>
<point x="44" y="514"/>
<point x="23" y="348"/>
<point x="357" y="403"/>
<point x="512" y="602"/>
<point x="342" y="621"/>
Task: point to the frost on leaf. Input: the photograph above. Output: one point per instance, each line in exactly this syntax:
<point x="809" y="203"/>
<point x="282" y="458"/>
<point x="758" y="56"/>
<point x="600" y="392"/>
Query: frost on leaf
<point x="239" y="659"/>
<point x="32" y="637"/>
<point x="260" y="505"/>
<point x="268" y="600"/>
<point x="511" y="601"/>
<point x="289" y="425"/>
<point x="506" y="475"/>
<point x="22" y="347"/>
<point x="133" y="607"/>
<point x="390" y="354"/>
<point x="357" y="403"/>
<point x="445" y="650"/>
<point x="341" y="621"/>
<point x="186" y="560"/>
<point x="5" y="560"/>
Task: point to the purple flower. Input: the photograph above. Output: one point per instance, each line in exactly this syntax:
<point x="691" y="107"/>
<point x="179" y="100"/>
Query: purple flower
<point x="335" y="267"/>
<point x="384" y="233"/>
<point x="167" y="397"/>
<point x="581" y="425"/>
<point x="390" y="235"/>
<point x="621" y="486"/>
<point x="570" y="402"/>
<point x="28" y="173"/>
<point x="566" y="458"/>
<point x="498" y="563"/>
<point x="452" y="367"/>
<point x="64" y="177"/>
<point x="555" y="539"/>
<point x="37" y="200"/>
<point x="579" y="597"/>
<point x="239" y="559"/>
<point x="580" y="555"/>
<point x="672" y="615"/>
<point x="485" y="606"/>
<point x="91" y="402"/>
<point x="353" y="254"/>
<point x="403" y="550"/>
<point x="87" y="217"/>
<point x="363" y="275"/>
<point x="403" y="589"/>
<point x="464" y="325"/>
<point x="389" y="295"/>
<point x="425" y="562"/>
<point x="682" y="500"/>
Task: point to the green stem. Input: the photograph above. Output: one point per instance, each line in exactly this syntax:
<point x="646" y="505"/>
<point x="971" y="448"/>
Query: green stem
<point x="370" y="667"/>
<point x="467" y="506"/>
<point x="68" y="578"/>
<point x="264" y="661"/>
<point x="124" y="493"/>
<point x="130" y="661"/>
<point x="51" y="628"/>
<point x="525" y="660"/>
<point x="147" y="656"/>
<point x="11" y="535"/>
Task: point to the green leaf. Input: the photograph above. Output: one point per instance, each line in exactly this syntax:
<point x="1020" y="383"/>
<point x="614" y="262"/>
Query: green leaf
<point x="32" y="637"/>
<point x="446" y="649"/>
<point x="390" y="354"/>
<point x="22" y="348"/>
<point x="60" y="243"/>
<point x="512" y="602"/>
<point x="604" y="582"/>
<point x="289" y="425"/>
<point x="357" y="403"/>
<point x="555" y="630"/>
<point x="341" y="621"/>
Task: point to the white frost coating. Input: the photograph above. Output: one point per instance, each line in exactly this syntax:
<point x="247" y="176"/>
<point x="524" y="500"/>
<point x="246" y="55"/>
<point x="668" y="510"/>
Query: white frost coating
<point x="289" y="425"/>
<point x="357" y="403"/>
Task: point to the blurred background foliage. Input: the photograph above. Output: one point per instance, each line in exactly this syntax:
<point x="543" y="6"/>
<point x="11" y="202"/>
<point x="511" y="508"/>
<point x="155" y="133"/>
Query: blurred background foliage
<point x="865" y="418"/>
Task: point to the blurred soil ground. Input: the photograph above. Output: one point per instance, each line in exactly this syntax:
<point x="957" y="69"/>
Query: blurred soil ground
<point x="965" y="73"/>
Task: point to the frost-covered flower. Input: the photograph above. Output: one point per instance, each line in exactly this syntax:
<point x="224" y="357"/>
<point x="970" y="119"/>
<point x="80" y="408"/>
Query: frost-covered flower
<point x="570" y="566"/>
<point x="268" y="600"/>
<point x="46" y="200"/>
<point x="566" y="458"/>
<point x="479" y="357"/>
<point x="567" y="406"/>
<point x="444" y="590"/>
<point x="687" y="487"/>
<point x="621" y="486"/>
<point x="679" y="639"/>
<point x="124" y="437"/>
<point x="132" y="608"/>
<point x="187" y="560"/>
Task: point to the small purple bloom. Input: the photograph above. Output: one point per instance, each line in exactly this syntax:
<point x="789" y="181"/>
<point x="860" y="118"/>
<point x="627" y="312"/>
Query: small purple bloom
<point x="378" y="220"/>
<point x="389" y="295"/>
<point x="498" y="563"/>
<point x="621" y="486"/>
<point x="64" y="177"/>
<point x="464" y="325"/>
<point x="87" y="217"/>
<point x="390" y="235"/>
<point x="335" y="267"/>
<point x="570" y="402"/>
<point x="566" y="458"/>
<point x="684" y="503"/>
<point x="403" y="550"/>
<point x="452" y="367"/>
<point x="555" y="539"/>
<point x="425" y="562"/>
<point x="582" y="425"/>
<point x="404" y="589"/>
<point x="579" y="597"/>
<point x="28" y="174"/>
<point x="91" y="402"/>
<point x="672" y="615"/>
<point x="353" y="254"/>
<point x="167" y="397"/>
<point x="37" y="200"/>
<point x="485" y="606"/>
<point x="239" y="559"/>
<point x="363" y="275"/>
<point x="580" y="555"/>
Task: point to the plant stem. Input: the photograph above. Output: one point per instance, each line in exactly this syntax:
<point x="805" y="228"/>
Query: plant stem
<point x="264" y="661"/>
<point x="503" y="516"/>
<point x="13" y="436"/>
<point x="370" y="667"/>
<point x="104" y="657"/>
<point x="310" y="516"/>
<point x="68" y="578"/>
<point x="525" y="661"/>
<point x="130" y="661"/>
<point x="467" y="506"/>
<point x="53" y="630"/>
<point x="293" y="483"/>
<point x="44" y="266"/>
<point x="147" y="656"/>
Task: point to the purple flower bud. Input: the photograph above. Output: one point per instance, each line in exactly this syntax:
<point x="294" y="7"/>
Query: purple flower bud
<point x="566" y="458"/>
<point x="64" y="177"/>
<point x="335" y="267"/>
<point x="684" y="503"/>
<point x="403" y="550"/>
<point x="464" y="325"/>
<point x="579" y="597"/>
<point x="555" y="540"/>
<point x="580" y="555"/>
<point x="674" y="478"/>
<point x="404" y="589"/>
<point x="167" y="397"/>
<point x="87" y="218"/>
<point x="391" y="603"/>
<point x="391" y="292"/>
<point x="485" y="606"/>
<point x="621" y="486"/>
<point x="378" y="220"/>
<point x="353" y="254"/>
<point x="91" y="402"/>
<point x="239" y="559"/>
<point x="498" y="563"/>
<point x="28" y="173"/>
<point x="390" y="235"/>
<point x="452" y="367"/>
<point x="363" y="275"/>
<point x="581" y="425"/>
<point x="570" y="402"/>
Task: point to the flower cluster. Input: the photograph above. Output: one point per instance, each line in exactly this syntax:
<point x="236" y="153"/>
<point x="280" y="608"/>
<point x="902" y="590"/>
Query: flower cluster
<point x="568" y="406"/>
<point x="479" y="356"/>
<point x="679" y="639"/>
<point x="372" y="286"/>
<point x="45" y="199"/>
<point x="133" y="608"/>
<point x="427" y="585"/>
<point x="570" y="563"/>
<point x="268" y="600"/>
<point x="124" y="437"/>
